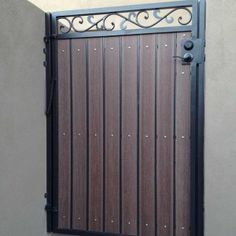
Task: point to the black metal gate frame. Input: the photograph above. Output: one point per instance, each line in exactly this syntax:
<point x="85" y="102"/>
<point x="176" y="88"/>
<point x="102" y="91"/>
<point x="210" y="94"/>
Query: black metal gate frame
<point x="197" y="28"/>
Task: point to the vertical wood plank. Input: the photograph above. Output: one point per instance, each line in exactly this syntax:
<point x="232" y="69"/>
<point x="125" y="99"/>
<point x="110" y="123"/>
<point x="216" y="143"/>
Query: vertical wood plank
<point x="129" y="135"/>
<point x="79" y="99"/>
<point x="182" y="171"/>
<point x="112" y="135"/>
<point x="95" y="60"/>
<point x="147" y="135"/>
<point x="165" y="132"/>
<point x="64" y="135"/>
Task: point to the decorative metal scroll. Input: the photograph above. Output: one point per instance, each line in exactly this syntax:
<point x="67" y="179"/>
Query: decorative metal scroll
<point x="143" y="19"/>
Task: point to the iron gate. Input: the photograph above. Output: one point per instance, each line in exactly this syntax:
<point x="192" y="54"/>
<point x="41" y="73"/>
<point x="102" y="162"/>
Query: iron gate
<point x="125" y="103"/>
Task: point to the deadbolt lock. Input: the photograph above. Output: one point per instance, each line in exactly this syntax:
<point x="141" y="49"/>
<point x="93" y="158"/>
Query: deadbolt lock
<point x="188" y="45"/>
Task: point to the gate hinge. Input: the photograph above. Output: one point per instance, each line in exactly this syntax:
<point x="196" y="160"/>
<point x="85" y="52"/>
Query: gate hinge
<point x="50" y="209"/>
<point x="47" y="38"/>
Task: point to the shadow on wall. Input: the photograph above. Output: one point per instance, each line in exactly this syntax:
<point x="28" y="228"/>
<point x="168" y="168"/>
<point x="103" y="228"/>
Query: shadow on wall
<point x="22" y="120"/>
<point x="61" y="5"/>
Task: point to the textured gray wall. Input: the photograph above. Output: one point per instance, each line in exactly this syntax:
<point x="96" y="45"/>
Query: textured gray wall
<point x="23" y="124"/>
<point x="220" y="145"/>
<point x="22" y="121"/>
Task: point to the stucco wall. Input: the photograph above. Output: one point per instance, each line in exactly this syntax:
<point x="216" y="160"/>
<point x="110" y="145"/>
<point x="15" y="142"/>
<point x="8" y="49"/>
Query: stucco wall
<point x="220" y="144"/>
<point x="23" y="124"/>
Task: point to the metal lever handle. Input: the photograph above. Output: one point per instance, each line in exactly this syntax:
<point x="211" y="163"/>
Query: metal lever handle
<point x="188" y="57"/>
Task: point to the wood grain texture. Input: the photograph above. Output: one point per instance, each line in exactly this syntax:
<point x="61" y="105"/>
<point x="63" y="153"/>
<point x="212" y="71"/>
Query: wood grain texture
<point x="147" y="135"/>
<point x="96" y="171"/>
<point x="79" y="100"/>
<point x="129" y="135"/>
<point x="112" y="135"/>
<point x="121" y="102"/>
<point x="182" y="155"/>
<point x="165" y="132"/>
<point x="64" y="135"/>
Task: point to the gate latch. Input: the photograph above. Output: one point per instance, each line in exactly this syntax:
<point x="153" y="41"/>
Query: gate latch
<point x="192" y="51"/>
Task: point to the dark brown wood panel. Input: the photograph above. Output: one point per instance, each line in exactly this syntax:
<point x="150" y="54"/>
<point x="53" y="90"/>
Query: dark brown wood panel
<point x="182" y="155"/>
<point x="124" y="135"/>
<point x="147" y="135"/>
<point x="129" y="135"/>
<point x="64" y="135"/>
<point x="95" y="93"/>
<point x="165" y="132"/>
<point x="79" y="111"/>
<point x="112" y="135"/>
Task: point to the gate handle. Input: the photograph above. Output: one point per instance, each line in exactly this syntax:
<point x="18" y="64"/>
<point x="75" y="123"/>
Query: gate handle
<point x="188" y="57"/>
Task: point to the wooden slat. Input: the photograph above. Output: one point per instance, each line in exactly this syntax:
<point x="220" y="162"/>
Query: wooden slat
<point x="147" y="135"/>
<point x="165" y="132"/>
<point x="64" y="135"/>
<point x="129" y="135"/>
<point x="182" y="173"/>
<point x="95" y="61"/>
<point x="79" y="98"/>
<point x="112" y="135"/>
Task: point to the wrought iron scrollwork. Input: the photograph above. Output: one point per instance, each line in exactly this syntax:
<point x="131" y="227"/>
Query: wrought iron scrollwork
<point x="143" y="19"/>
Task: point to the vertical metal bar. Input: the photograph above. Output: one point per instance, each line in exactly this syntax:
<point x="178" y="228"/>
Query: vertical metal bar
<point x="200" y="124"/>
<point x="49" y="78"/>
<point x="138" y="134"/>
<point x="193" y="146"/>
<point x="174" y="143"/>
<point x="87" y="105"/>
<point x="120" y="59"/>
<point x="54" y="128"/>
<point x="104" y="133"/>
<point x="55" y="134"/>
<point x="193" y="132"/>
<point x="195" y="19"/>
<point x="155" y="134"/>
<point x="72" y="130"/>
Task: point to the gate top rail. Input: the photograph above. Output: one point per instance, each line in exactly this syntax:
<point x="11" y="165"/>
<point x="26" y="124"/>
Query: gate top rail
<point x="125" y="20"/>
